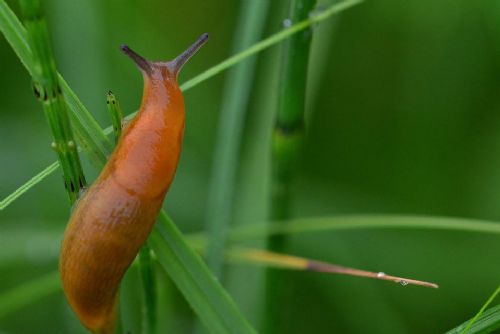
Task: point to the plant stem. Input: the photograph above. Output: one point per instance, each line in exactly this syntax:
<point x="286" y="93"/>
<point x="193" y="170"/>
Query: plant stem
<point x="287" y="143"/>
<point x="48" y="91"/>
<point x="116" y="114"/>
<point x="230" y="131"/>
<point x="481" y="311"/>
<point x="86" y="129"/>
<point x="487" y="322"/>
<point x="149" y="290"/>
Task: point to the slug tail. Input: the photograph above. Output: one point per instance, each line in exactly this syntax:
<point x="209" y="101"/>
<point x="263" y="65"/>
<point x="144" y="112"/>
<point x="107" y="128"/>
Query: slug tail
<point x="107" y="324"/>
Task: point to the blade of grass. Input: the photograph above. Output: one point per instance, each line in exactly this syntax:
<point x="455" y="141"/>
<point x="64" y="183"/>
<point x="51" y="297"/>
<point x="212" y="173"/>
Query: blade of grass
<point x="48" y="91"/>
<point x="28" y="185"/>
<point x="213" y="305"/>
<point x="487" y="322"/>
<point x="278" y="260"/>
<point x="14" y="33"/>
<point x="482" y="322"/>
<point x="149" y="291"/>
<point x="349" y="223"/>
<point x="230" y="130"/>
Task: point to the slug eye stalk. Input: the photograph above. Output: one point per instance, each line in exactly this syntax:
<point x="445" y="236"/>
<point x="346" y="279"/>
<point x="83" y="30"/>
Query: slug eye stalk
<point x="173" y="66"/>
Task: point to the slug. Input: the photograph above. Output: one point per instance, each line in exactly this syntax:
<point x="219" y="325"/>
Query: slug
<point x="114" y="217"/>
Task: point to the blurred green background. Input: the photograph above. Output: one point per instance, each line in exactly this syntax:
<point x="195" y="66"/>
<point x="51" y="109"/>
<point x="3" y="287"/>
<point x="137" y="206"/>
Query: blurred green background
<point x="403" y="117"/>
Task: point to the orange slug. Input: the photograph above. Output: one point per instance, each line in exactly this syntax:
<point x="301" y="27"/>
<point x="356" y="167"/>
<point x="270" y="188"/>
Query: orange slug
<point x="114" y="217"/>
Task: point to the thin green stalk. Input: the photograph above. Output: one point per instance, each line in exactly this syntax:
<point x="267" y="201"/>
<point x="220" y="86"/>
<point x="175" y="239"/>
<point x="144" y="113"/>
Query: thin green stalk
<point x="230" y="131"/>
<point x="149" y="291"/>
<point x="288" y="130"/>
<point x="116" y="114"/>
<point x="85" y="127"/>
<point x="487" y="322"/>
<point x="211" y="302"/>
<point x="256" y="231"/>
<point x="14" y="33"/>
<point x="48" y="91"/>
<point x="28" y="185"/>
<point x="287" y="143"/>
<point x="467" y="328"/>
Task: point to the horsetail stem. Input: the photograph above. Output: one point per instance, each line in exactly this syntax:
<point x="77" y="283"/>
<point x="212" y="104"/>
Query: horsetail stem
<point x="47" y="89"/>
<point x="286" y="149"/>
<point x="116" y="114"/>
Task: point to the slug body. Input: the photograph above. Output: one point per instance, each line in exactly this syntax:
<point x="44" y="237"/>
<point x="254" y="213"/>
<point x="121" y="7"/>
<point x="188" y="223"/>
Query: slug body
<point x="113" y="219"/>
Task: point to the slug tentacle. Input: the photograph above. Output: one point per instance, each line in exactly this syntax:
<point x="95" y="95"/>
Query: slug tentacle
<point x="114" y="217"/>
<point x="176" y="65"/>
<point x="142" y="63"/>
<point x="173" y="66"/>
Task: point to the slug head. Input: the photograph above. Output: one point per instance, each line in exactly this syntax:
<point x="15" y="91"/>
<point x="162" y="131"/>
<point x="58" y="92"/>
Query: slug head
<point x="168" y="69"/>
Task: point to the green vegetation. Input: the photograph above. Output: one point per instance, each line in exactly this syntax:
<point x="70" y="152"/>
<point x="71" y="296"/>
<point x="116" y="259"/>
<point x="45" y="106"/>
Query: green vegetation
<point x="392" y="110"/>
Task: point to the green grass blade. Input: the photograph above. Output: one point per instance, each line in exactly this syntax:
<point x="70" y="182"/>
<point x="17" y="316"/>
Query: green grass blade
<point x="27" y="293"/>
<point x="149" y="290"/>
<point x="350" y="223"/>
<point x="487" y="322"/>
<point x="237" y="88"/>
<point x="482" y="322"/>
<point x="210" y="301"/>
<point x="488" y="302"/>
<point x="28" y="185"/>
<point x="87" y="126"/>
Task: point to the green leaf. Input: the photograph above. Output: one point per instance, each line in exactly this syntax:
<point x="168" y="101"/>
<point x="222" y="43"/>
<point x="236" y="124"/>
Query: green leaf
<point x="487" y="322"/>
<point x="210" y="301"/>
